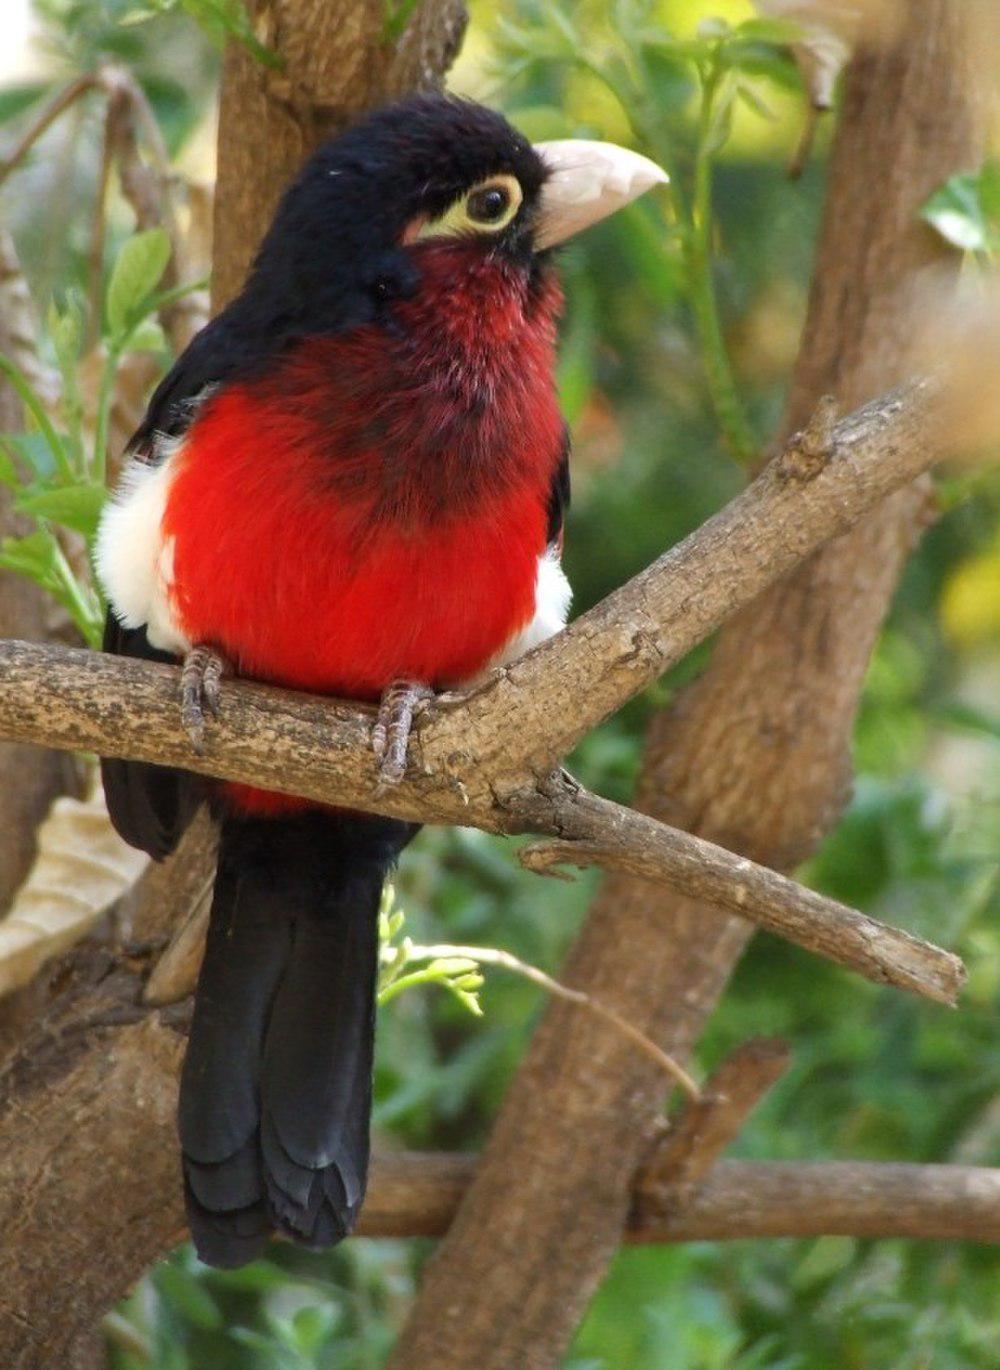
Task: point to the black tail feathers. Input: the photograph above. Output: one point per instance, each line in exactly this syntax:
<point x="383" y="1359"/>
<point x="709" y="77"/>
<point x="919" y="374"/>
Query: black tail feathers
<point x="276" y="1088"/>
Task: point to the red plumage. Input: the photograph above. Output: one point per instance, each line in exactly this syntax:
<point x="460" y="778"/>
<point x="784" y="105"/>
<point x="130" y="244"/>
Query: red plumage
<point x="375" y="506"/>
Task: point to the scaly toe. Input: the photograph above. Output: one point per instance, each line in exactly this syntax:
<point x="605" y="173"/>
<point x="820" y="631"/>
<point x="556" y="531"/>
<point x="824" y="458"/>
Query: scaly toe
<point x="201" y="676"/>
<point x="391" y="732"/>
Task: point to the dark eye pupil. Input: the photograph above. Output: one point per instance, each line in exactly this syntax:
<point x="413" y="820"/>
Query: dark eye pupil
<point x="488" y="205"/>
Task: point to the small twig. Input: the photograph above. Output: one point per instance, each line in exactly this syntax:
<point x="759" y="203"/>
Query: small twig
<point x="704" y="1127"/>
<point x="57" y="106"/>
<point x="494" y="956"/>
<point x="600" y="833"/>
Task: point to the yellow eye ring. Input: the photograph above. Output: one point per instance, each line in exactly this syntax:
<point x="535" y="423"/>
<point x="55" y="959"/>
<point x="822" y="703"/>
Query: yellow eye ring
<point x="487" y="207"/>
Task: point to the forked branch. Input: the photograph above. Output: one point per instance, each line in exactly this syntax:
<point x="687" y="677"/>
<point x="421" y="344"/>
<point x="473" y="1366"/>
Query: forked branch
<point x="477" y="755"/>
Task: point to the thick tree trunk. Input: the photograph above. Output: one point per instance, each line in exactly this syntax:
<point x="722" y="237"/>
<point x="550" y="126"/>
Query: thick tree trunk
<point x="755" y="757"/>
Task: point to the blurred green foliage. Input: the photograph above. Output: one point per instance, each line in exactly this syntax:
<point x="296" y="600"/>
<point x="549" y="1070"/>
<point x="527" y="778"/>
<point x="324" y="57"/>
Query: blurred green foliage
<point x="875" y="1074"/>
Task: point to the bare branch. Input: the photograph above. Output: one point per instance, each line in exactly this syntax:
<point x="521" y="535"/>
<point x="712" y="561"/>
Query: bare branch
<point x="705" y="1126"/>
<point x="319" y="749"/>
<point x="616" y="838"/>
<point x="418" y="1195"/>
<point x="608" y="655"/>
<point x="59" y="103"/>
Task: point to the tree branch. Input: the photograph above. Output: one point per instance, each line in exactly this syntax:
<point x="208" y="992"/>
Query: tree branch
<point x="611" y="653"/>
<point x="319" y="749"/>
<point x="524" y="718"/>
<point x="417" y="1195"/>
<point x="599" y="833"/>
<point x="706" y="1125"/>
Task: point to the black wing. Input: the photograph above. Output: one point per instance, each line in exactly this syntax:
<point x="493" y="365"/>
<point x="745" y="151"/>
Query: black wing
<point x="559" y="495"/>
<point x="150" y="806"/>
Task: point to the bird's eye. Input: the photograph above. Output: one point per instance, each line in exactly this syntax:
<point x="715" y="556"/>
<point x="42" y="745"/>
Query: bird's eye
<point x="489" y="204"/>
<point x="487" y="208"/>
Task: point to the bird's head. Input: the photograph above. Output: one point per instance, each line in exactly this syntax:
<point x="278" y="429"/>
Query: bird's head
<point x="431" y="176"/>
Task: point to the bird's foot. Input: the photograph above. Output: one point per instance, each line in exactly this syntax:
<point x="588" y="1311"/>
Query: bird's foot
<point x="201" y="677"/>
<point x="391" y="732"/>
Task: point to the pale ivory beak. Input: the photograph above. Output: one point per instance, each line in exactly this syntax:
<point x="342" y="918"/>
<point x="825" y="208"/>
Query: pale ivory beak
<point x="587" y="182"/>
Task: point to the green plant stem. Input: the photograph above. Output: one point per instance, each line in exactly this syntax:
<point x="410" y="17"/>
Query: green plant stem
<point x="494" y="956"/>
<point x="704" y="300"/>
<point x="427" y="976"/>
<point x="75" y="598"/>
<point x="696" y="222"/>
<point x="104" y="399"/>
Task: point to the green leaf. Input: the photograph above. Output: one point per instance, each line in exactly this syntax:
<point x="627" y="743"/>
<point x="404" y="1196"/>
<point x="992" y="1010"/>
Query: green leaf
<point x="33" y="449"/>
<point x="223" y="19"/>
<point x="14" y="100"/>
<point x="311" y="1326"/>
<point x="188" y="1296"/>
<point x="8" y="471"/>
<point x="721" y="123"/>
<point x="66" y="330"/>
<point x="969" y="719"/>
<point x="34" y="556"/>
<point x="135" y="275"/>
<point x="777" y="31"/>
<point x="148" y="337"/>
<point x="141" y="13"/>
<point x="966" y="209"/>
<point x="397" y="16"/>
<point x="36" y="409"/>
<point x="75" y="506"/>
<point x="749" y="96"/>
<point x="989" y="192"/>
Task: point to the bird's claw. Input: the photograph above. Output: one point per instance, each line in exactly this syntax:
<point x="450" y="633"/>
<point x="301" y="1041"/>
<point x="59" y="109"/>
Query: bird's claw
<point x="391" y="730"/>
<point x="201" y="678"/>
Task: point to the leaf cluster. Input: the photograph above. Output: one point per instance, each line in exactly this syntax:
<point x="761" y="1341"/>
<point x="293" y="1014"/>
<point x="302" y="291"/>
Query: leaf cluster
<point x="57" y="467"/>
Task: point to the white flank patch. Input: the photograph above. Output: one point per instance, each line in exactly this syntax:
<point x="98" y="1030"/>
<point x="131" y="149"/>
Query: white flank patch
<point x="134" y="560"/>
<point x="552" y="600"/>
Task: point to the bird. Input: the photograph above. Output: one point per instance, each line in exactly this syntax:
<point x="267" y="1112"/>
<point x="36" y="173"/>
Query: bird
<point x="352" y="482"/>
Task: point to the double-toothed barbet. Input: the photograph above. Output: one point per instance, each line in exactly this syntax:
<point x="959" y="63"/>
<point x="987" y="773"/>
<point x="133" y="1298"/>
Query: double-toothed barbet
<point x="352" y="482"/>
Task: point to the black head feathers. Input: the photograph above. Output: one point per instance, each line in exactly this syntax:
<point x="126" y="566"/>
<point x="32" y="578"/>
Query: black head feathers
<point x="339" y="223"/>
<point x="332" y="258"/>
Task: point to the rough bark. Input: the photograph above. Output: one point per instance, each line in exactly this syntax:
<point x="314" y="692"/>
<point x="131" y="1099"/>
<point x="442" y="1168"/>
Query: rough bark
<point x="75" y="699"/>
<point x="417" y="1194"/>
<point x="88" y="1173"/>
<point x="755" y="758"/>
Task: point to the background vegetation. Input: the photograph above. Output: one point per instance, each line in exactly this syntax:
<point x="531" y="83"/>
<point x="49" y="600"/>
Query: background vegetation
<point x="646" y="387"/>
